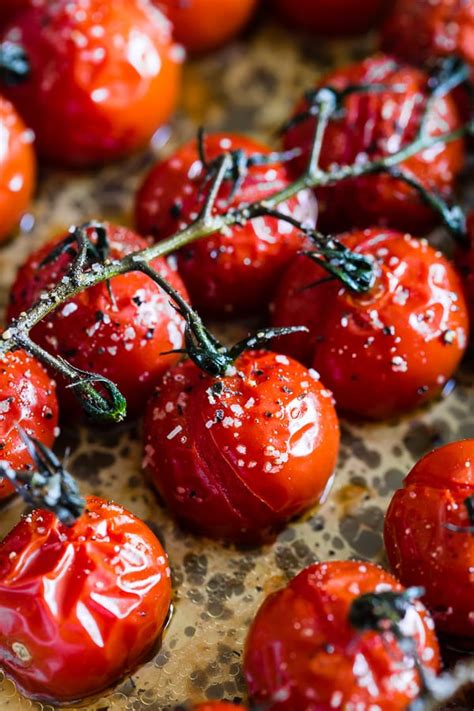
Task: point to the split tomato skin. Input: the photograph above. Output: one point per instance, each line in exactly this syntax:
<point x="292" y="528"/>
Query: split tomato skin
<point x="104" y="77"/>
<point x="374" y="125"/>
<point x="80" y="606"/>
<point x="420" y="547"/>
<point x="385" y="352"/>
<point x="123" y="338"/>
<point x="302" y="653"/>
<point x="236" y="457"/>
<point x="334" y="18"/>
<point x="232" y="272"/>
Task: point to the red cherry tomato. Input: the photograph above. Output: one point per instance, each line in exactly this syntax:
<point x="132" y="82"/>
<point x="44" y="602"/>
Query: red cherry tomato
<point x="202" y="25"/>
<point x="122" y="338"/>
<point x="17" y="168"/>
<point x="332" y="17"/>
<point x="104" y="76"/>
<point x="303" y="653"/>
<point x="422" y="550"/>
<point x="374" y="125"/>
<point x="28" y="399"/>
<point x="387" y="351"/>
<point x="465" y="263"/>
<point x="8" y="8"/>
<point x="233" y="271"/>
<point x="80" y="606"/>
<point x="236" y="457"/>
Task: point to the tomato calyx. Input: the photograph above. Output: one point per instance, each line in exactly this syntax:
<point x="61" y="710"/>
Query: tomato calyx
<point x="469" y="504"/>
<point x="14" y="64"/>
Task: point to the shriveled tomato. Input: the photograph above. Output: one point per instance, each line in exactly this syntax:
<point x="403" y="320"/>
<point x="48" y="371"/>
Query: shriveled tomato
<point x="202" y="25"/>
<point x="332" y="17"/>
<point x="236" y="457"/>
<point x="120" y="334"/>
<point x="375" y="124"/>
<point x="28" y="399"/>
<point x="17" y="168"/>
<point x="465" y="263"/>
<point x="304" y="652"/>
<point x="234" y="271"/>
<point x="429" y="535"/>
<point x="103" y="77"/>
<point x="80" y="606"/>
<point x="387" y="351"/>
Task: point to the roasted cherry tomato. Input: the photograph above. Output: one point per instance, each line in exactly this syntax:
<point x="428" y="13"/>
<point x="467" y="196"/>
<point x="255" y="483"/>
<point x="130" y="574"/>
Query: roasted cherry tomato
<point x="236" y="457"/>
<point x="80" y="606"/>
<point x="387" y="351"/>
<point x="231" y="272"/>
<point x="429" y="535"/>
<point x="103" y="77"/>
<point x="28" y="399"/>
<point x="332" y="17"/>
<point x="304" y="650"/>
<point x="202" y="25"/>
<point x="375" y="124"/>
<point x="121" y="333"/>
<point x="465" y="263"/>
<point x="17" y="168"/>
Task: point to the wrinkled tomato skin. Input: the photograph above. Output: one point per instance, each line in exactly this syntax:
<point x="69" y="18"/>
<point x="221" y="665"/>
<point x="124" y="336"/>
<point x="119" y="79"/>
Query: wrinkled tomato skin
<point x="17" y="168"/>
<point x="373" y="125"/>
<point x="104" y="77"/>
<point x="231" y="273"/>
<point x="422" y="551"/>
<point x="234" y="458"/>
<point x="28" y="399"/>
<point x="80" y="606"/>
<point x="203" y="25"/>
<point x="390" y="350"/>
<point x="302" y="653"/>
<point x="124" y="341"/>
<point x="335" y="18"/>
<point x="465" y="264"/>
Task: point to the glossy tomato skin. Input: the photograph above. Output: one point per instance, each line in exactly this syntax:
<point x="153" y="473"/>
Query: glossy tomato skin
<point x="465" y="264"/>
<point x="236" y="457"/>
<point x="388" y="351"/>
<point x="203" y="25"/>
<point x="332" y="17"/>
<point x="421" y="550"/>
<point x="103" y="77"/>
<point x="17" y="168"/>
<point x="28" y="399"/>
<point x="372" y="126"/>
<point x="80" y="606"/>
<point x="233" y="272"/>
<point x="124" y="341"/>
<point x="302" y="653"/>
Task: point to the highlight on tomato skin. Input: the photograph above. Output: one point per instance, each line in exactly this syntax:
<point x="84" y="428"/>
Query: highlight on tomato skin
<point x="80" y="606"/>
<point x="232" y="272"/>
<point x="385" y="352"/>
<point x="302" y="651"/>
<point x="429" y="536"/>
<point x="103" y="77"/>
<point x="236" y="457"/>
<point x="334" y="18"/>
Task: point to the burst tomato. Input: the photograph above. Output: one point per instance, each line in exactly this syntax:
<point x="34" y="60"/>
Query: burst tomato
<point x="377" y="124"/>
<point x="303" y="653"/>
<point x="80" y="606"/>
<point x="235" y="271"/>
<point x="387" y="351"/>
<point x="332" y="17"/>
<point x="103" y="77"/>
<point x="121" y="336"/>
<point x="424" y="536"/>
<point x="236" y="457"/>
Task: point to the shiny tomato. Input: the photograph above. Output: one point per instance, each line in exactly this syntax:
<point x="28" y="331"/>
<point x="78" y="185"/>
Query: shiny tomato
<point x="80" y="606"/>
<point x="28" y="399"/>
<point x="18" y="168"/>
<point x="373" y="125"/>
<point x="302" y="651"/>
<point x="123" y="336"/>
<point x="387" y="351"/>
<point x="465" y="263"/>
<point x="429" y="537"/>
<point x="332" y="17"/>
<point x="236" y="457"/>
<point x="103" y="77"/>
<point x="232" y="272"/>
<point x="202" y="25"/>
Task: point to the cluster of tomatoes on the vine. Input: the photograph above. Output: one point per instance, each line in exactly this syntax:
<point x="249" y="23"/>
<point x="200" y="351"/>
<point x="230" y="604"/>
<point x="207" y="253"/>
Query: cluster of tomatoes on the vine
<point x="238" y="449"/>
